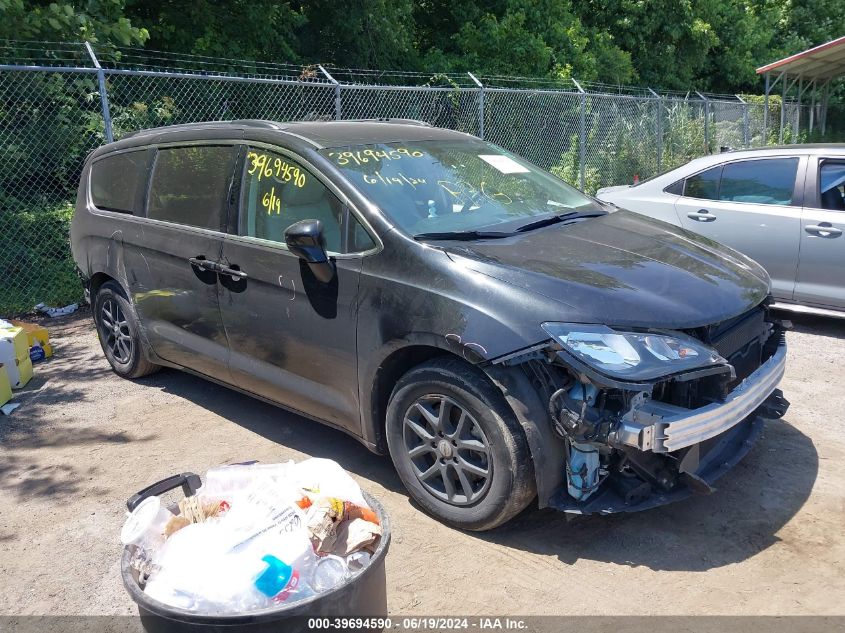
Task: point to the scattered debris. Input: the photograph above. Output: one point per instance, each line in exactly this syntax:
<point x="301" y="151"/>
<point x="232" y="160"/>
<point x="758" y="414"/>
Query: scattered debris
<point x="56" y="312"/>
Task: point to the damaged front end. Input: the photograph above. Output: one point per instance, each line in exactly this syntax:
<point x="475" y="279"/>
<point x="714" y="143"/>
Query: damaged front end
<point x="649" y="417"/>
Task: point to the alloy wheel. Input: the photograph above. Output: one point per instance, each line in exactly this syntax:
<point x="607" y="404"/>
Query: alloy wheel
<point x="115" y="331"/>
<point x="448" y="451"/>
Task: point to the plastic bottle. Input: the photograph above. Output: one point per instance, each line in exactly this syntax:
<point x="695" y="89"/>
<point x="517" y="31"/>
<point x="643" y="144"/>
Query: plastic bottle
<point x="144" y="526"/>
<point x="331" y="571"/>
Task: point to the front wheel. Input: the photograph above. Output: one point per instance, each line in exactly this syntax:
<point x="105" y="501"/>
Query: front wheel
<point x="457" y="446"/>
<point x="119" y="334"/>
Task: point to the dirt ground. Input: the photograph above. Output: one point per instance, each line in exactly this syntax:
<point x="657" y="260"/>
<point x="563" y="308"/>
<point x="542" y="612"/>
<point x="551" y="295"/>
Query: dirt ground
<point x="770" y="541"/>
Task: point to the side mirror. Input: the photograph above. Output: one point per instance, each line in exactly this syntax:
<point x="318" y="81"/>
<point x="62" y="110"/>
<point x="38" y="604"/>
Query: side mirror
<point x="305" y="240"/>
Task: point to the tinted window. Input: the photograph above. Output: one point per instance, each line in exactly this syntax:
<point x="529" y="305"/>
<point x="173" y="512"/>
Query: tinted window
<point x="190" y="185"/>
<point x="279" y="192"/>
<point x="676" y="188"/>
<point x="759" y="181"/>
<point x="832" y="186"/>
<point x="704" y="185"/>
<point x="117" y="182"/>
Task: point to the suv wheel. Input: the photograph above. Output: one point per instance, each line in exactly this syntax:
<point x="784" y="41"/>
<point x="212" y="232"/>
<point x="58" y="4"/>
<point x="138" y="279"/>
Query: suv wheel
<point x="457" y="446"/>
<point x="118" y="332"/>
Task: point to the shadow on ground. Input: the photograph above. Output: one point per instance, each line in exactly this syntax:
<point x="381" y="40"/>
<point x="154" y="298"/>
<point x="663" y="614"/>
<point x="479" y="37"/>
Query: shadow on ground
<point x="740" y="520"/>
<point x="811" y="324"/>
<point x="279" y="425"/>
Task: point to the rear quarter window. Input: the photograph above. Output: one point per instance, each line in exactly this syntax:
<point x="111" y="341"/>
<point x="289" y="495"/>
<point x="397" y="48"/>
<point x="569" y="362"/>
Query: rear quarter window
<point x="117" y="181"/>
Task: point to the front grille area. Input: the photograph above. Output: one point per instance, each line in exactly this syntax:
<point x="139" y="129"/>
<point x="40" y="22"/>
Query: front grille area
<point x="739" y="340"/>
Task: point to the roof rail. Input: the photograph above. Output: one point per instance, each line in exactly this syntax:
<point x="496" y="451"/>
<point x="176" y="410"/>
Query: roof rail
<point x="205" y="124"/>
<point x="388" y="120"/>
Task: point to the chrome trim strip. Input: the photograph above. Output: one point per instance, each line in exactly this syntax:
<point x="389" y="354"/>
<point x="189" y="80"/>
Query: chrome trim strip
<point x="686" y="429"/>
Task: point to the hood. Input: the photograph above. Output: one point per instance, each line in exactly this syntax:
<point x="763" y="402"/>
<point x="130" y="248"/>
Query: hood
<point x="622" y="269"/>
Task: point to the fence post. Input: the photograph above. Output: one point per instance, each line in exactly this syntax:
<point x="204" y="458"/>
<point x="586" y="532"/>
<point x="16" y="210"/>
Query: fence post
<point x="706" y="122"/>
<point x="104" y="99"/>
<point x="480" y="104"/>
<point x="338" y="112"/>
<point x="582" y="136"/>
<point x="659" y="131"/>
<point x="784" y="79"/>
<point x="745" y="139"/>
<point x="766" y="113"/>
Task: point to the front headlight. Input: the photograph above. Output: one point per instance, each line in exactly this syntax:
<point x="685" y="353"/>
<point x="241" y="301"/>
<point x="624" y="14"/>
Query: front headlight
<point x="632" y="355"/>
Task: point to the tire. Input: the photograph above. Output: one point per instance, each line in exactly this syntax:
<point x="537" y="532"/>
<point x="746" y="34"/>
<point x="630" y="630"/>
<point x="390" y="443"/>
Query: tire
<point x="119" y="333"/>
<point x="480" y="438"/>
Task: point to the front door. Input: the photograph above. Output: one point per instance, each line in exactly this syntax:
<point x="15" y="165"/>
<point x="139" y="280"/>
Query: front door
<point x="292" y="338"/>
<point x="749" y="205"/>
<point x="821" y="268"/>
<point x="174" y="291"/>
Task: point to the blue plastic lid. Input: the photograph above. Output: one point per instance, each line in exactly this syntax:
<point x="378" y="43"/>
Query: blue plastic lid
<point x="275" y="578"/>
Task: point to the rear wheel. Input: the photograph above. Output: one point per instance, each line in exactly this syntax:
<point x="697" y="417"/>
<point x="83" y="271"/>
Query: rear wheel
<point x="119" y="333"/>
<point x="457" y="446"/>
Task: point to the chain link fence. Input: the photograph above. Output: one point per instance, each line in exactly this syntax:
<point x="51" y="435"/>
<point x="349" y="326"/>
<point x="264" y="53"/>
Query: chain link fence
<point x="59" y="103"/>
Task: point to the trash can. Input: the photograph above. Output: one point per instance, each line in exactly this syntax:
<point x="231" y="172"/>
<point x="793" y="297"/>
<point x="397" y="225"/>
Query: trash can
<point x="364" y="595"/>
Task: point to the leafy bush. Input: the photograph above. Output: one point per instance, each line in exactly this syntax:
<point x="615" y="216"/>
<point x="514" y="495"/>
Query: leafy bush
<point x="35" y="259"/>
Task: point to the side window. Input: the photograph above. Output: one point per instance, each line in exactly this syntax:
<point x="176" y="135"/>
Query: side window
<point x="118" y="181"/>
<point x="359" y="239"/>
<point x="832" y="186"/>
<point x="704" y="185"/>
<point x="278" y="192"/>
<point x="759" y="181"/>
<point x="676" y="188"/>
<point x="190" y="185"/>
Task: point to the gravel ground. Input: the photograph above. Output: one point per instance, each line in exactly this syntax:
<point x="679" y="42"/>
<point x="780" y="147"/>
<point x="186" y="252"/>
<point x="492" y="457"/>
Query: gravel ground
<point x="770" y="541"/>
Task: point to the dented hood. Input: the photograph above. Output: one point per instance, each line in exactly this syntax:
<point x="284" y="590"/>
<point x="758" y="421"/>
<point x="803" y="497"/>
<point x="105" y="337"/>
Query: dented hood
<point x="622" y="269"/>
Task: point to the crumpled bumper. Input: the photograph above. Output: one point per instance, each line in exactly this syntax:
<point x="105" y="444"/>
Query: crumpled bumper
<point x="727" y="452"/>
<point x="661" y="428"/>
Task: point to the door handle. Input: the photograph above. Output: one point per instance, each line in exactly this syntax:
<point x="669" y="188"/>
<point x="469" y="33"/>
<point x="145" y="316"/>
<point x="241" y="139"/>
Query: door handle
<point x="234" y="273"/>
<point x="823" y="229"/>
<point x="201" y="262"/>
<point x="702" y="215"/>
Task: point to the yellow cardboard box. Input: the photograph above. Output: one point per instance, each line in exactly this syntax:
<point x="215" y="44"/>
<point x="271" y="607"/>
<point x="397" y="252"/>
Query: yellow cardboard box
<point x="14" y="354"/>
<point x="24" y="371"/>
<point x="14" y="343"/>
<point x="5" y="386"/>
<point x="36" y="334"/>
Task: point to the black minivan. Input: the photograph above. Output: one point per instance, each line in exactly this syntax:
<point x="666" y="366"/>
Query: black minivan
<point x="500" y="334"/>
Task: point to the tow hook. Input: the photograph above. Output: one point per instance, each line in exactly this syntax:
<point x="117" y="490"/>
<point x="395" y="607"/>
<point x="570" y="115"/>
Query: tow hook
<point x="775" y="406"/>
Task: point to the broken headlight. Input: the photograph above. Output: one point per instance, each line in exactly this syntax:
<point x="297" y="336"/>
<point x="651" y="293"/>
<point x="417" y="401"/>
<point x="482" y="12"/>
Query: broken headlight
<point x="632" y="355"/>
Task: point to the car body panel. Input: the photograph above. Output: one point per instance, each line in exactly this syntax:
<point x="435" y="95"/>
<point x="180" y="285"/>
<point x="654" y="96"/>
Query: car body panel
<point x="623" y="270"/>
<point x="807" y="266"/>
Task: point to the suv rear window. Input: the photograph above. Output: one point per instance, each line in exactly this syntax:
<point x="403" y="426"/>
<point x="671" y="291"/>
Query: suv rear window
<point x="190" y="185"/>
<point x="117" y="181"/>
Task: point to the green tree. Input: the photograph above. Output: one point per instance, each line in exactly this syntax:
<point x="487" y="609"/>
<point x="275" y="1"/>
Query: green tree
<point x="100" y="21"/>
<point x="543" y="38"/>
<point x="262" y="30"/>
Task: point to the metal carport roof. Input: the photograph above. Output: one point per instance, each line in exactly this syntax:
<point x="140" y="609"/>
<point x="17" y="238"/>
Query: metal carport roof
<point x="811" y="70"/>
<point x="821" y="62"/>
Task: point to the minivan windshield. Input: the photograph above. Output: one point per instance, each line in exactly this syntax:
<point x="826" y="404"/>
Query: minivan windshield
<point x="456" y="186"/>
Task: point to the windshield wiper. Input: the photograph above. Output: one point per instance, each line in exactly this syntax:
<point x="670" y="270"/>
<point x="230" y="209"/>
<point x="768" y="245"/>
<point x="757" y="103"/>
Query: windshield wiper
<point x="561" y="217"/>
<point x="462" y="235"/>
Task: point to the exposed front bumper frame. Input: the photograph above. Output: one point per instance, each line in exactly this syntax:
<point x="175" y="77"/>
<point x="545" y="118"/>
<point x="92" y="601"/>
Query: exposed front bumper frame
<point x="661" y="427"/>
